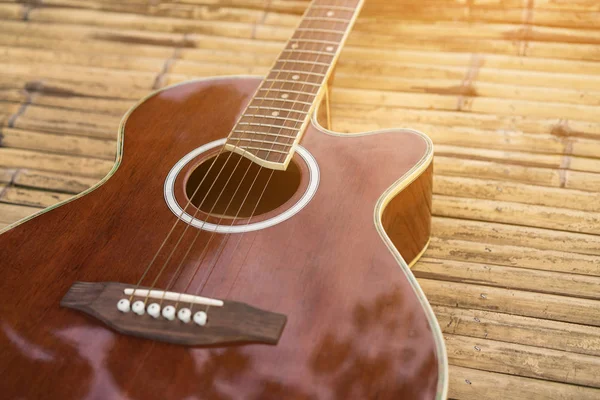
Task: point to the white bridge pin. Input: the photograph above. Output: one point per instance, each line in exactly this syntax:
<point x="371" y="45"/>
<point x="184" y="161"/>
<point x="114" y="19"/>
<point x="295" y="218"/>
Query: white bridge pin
<point x="184" y="315"/>
<point x="200" y="318"/>
<point x="123" y="305"/>
<point x="138" y="307"/>
<point x="169" y="313"/>
<point x="154" y="310"/>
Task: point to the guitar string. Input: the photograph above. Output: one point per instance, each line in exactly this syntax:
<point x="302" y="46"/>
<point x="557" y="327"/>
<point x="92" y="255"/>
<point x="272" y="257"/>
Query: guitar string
<point x="277" y="136"/>
<point x="353" y="14"/>
<point x="240" y="239"/>
<point x="241" y="236"/>
<point x="222" y="244"/>
<point x="198" y="208"/>
<point x="188" y="225"/>
<point x="205" y="249"/>
<point x="219" y="252"/>
<point x="177" y="220"/>
<point x="268" y="153"/>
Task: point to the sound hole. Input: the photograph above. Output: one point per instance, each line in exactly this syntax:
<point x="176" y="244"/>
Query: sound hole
<point x="240" y="191"/>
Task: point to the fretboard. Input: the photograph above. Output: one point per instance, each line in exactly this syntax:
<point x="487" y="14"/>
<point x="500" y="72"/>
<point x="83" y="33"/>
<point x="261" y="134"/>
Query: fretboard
<point x="280" y="111"/>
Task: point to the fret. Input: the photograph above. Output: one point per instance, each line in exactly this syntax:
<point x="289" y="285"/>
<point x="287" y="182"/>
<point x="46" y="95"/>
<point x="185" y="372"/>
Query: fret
<point x="262" y="149"/>
<point x="278" y="109"/>
<point x="261" y="141"/>
<point x="321" y="64"/>
<point x="327" y="19"/>
<point x="279" y="135"/>
<point x="285" y="91"/>
<point x="319" y="53"/>
<point x="329" y="31"/>
<point x="273" y="117"/>
<point x="289" y="71"/>
<point x="293" y="82"/>
<point x="341" y="8"/>
<point x="304" y="103"/>
<point x="268" y="126"/>
<point x="315" y="41"/>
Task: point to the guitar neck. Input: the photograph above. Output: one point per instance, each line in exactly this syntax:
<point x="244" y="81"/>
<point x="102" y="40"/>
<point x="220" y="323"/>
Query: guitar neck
<point x="277" y="116"/>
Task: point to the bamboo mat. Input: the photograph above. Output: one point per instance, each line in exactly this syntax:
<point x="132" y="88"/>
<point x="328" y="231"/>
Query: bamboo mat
<point x="507" y="89"/>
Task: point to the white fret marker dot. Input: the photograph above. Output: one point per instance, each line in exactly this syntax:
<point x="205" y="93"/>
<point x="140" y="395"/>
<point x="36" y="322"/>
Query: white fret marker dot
<point x="285" y="96"/>
<point x="296" y="77"/>
<point x="329" y="48"/>
<point x="294" y="45"/>
<point x="275" y="113"/>
<point x="330" y="13"/>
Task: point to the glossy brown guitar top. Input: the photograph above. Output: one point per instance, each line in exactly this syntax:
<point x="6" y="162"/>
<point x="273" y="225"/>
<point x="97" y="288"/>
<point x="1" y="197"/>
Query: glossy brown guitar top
<point x="358" y="326"/>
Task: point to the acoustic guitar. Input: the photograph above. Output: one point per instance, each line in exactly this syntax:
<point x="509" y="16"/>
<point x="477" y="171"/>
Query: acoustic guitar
<point x="237" y="250"/>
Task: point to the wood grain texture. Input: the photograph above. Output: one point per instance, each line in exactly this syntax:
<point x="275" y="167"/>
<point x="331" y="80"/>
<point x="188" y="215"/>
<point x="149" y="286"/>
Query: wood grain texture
<point x="407" y="220"/>
<point x="355" y="325"/>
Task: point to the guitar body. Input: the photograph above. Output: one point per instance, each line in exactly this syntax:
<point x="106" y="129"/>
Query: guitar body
<point x="358" y="325"/>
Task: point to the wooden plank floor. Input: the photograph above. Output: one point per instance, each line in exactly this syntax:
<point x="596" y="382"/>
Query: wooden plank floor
<point x="509" y="91"/>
